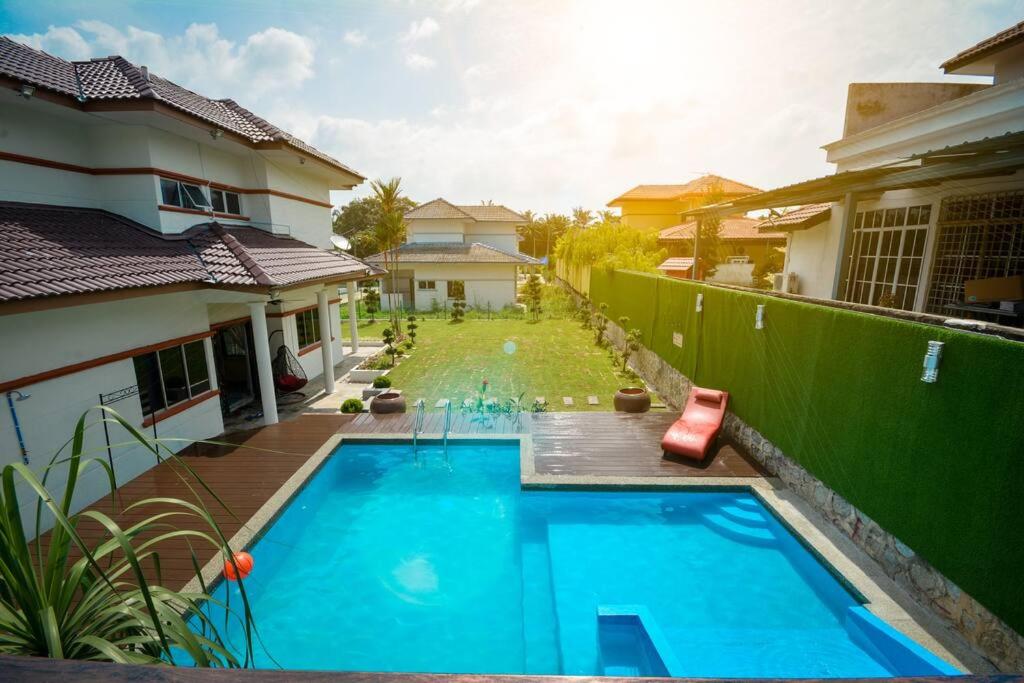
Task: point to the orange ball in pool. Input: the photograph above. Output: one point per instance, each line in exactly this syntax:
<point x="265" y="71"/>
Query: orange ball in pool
<point x="245" y="564"/>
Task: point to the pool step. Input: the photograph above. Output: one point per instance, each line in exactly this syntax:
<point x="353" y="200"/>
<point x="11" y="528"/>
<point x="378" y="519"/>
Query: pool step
<point x="744" y="515"/>
<point x="539" y="620"/>
<point x="742" y="533"/>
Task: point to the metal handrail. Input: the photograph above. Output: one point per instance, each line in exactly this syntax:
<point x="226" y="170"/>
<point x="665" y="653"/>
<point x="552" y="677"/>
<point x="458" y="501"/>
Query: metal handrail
<point x="447" y="427"/>
<point x="417" y="425"/>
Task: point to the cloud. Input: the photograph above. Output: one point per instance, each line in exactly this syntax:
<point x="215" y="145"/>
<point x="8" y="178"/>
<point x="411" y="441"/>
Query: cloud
<point x="419" y="62"/>
<point x="355" y="37"/>
<point x="419" y="30"/>
<point x="459" y="5"/>
<point x="478" y="72"/>
<point x="200" y="57"/>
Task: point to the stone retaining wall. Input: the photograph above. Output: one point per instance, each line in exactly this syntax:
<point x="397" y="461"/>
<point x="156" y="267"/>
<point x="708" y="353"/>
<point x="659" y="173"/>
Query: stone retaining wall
<point x="992" y="638"/>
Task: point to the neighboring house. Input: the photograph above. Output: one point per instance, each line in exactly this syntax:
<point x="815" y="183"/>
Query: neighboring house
<point x="928" y="193"/>
<point x="456" y="252"/>
<point x="742" y="250"/>
<point x="659" y="206"/>
<point x="159" y="248"/>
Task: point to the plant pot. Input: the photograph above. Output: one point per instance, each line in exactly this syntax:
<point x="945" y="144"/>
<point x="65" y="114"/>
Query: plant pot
<point x="632" y="400"/>
<point x="357" y="376"/>
<point x="387" y="403"/>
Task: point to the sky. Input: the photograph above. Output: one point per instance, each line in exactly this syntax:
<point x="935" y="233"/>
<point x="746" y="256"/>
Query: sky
<point x="535" y="104"/>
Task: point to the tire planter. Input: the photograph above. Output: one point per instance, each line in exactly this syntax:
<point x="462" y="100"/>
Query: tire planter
<point x="632" y="400"/>
<point x="387" y="403"/>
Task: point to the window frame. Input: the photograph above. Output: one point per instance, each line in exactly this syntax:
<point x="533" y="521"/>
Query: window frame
<point x="301" y="335"/>
<point x="225" y="205"/>
<point x="420" y="285"/>
<point x="184" y="195"/>
<point x="461" y="285"/>
<point x="192" y="389"/>
<point x="884" y="232"/>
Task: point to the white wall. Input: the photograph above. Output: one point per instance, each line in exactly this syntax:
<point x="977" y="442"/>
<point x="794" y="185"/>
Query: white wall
<point x="436" y="230"/>
<point x="45" y="340"/>
<point x="497" y="234"/>
<point x="493" y="282"/>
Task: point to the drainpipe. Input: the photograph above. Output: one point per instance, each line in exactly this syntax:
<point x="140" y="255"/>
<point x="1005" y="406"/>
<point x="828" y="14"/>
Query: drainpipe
<point x="17" y="425"/>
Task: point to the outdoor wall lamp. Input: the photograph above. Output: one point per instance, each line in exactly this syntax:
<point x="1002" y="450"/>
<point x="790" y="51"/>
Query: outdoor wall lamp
<point x="700" y="301"/>
<point x="759" y="317"/>
<point x="931" y="362"/>
<point x="27" y="91"/>
<point x="12" y="396"/>
<point x="216" y="133"/>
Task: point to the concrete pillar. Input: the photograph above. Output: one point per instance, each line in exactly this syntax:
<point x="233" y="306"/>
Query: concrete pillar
<point x="353" y="311"/>
<point x="845" y="238"/>
<point x="211" y="367"/>
<point x="258" y="312"/>
<point x="326" y="348"/>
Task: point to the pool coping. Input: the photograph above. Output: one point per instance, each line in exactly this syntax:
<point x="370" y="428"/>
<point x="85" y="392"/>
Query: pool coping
<point x="837" y="553"/>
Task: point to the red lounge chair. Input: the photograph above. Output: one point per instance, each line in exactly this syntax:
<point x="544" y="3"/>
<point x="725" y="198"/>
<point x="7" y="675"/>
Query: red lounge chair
<point x="693" y="433"/>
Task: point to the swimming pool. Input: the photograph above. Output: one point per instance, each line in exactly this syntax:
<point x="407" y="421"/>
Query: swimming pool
<point x="381" y="563"/>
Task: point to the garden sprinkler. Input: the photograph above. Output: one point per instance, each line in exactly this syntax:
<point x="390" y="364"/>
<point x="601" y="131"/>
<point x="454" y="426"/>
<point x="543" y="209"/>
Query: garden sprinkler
<point x="14" y="418"/>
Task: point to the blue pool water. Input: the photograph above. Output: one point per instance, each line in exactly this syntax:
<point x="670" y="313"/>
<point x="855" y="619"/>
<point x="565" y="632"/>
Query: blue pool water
<point x="380" y="564"/>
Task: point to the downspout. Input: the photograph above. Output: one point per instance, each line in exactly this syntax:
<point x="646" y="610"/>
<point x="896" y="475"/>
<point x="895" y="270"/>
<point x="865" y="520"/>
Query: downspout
<point x="17" y="425"/>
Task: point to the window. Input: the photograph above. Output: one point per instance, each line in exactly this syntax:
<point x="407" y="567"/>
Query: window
<point x="977" y="236"/>
<point x="185" y="195"/>
<point x="886" y="256"/>
<point x="226" y="202"/>
<point x="171" y="375"/>
<point x="456" y="289"/>
<point x="426" y="284"/>
<point x="739" y="259"/>
<point x="307" y="324"/>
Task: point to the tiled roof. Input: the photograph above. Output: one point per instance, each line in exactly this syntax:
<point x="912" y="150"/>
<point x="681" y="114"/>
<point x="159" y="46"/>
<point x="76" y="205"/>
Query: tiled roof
<point x="441" y="208"/>
<point x="115" y="78"/>
<point x="999" y="41"/>
<point x="454" y="252"/>
<point x="798" y="219"/>
<point x="677" y="263"/>
<point x="53" y="250"/>
<point x="695" y="187"/>
<point x="735" y="228"/>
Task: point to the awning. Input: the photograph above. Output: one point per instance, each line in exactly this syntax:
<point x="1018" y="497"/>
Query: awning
<point x="676" y="263"/>
<point x="1002" y="155"/>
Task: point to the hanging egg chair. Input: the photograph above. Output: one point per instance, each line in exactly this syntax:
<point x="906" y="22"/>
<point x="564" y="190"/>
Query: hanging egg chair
<point x="289" y="377"/>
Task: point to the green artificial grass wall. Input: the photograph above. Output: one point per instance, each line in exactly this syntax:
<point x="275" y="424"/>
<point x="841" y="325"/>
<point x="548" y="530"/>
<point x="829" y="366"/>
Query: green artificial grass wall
<point x="940" y="466"/>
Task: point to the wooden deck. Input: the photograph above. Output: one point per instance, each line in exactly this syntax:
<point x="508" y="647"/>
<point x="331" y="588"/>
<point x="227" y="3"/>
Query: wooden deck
<point x="622" y="445"/>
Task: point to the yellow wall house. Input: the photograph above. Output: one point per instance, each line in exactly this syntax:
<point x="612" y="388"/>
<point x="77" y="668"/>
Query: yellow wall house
<point x="659" y="206"/>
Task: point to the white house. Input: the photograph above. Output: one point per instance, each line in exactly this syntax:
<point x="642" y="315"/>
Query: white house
<point x="928" y="192"/>
<point x="159" y="250"/>
<point x="468" y="253"/>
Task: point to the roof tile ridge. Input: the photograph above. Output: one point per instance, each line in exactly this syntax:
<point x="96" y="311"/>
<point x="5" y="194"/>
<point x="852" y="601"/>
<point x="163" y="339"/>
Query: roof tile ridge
<point x="239" y="252"/>
<point x="258" y="121"/>
<point x="134" y="75"/>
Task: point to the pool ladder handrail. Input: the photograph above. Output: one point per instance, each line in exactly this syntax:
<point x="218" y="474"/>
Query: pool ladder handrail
<point x="417" y="427"/>
<point x="447" y="428"/>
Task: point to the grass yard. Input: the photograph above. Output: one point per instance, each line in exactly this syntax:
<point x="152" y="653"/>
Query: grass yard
<point x="552" y="358"/>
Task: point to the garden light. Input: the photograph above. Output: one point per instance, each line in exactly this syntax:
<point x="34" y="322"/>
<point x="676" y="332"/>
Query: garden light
<point x="759" y="317"/>
<point x="700" y="301"/>
<point x="931" y="362"/>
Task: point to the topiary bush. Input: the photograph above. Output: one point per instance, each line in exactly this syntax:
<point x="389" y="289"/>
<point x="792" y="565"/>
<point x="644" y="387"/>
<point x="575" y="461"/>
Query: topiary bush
<point x="382" y="382"/>
<point x="353" y="405"/>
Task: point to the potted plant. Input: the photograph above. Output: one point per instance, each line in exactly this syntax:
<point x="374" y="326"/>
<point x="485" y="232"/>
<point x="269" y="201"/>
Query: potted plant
<point x="387" y="403"/>
<point x="352" y="405"/>
<point x="632" y="400"/>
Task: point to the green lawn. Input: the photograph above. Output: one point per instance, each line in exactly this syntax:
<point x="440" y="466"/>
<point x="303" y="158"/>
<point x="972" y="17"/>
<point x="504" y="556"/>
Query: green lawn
<point x="552" y="358"/>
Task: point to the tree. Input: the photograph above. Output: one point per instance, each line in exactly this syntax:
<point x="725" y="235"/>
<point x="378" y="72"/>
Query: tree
<point x="553" y="226"/>
<point x="608" y="216"/>
<point x="372" y="301"/>
<point x="390" y="233"/>
<point x="581" y="217"/>
<point x="528" y="231"/>
<point x="709" y="255"/>
<point x="388" y="335"/>
<point x="458" y="310"/>
<point x="611" y="245"/>
<point x="358" y="219"/>
<point x="533" y="294"/>
<point x="411" y="328"/>
<point x="631" y="346"/>
<point x="600" y="323"/>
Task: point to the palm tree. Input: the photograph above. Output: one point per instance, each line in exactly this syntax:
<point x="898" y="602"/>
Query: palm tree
<point x="581" y="217"/>
<point x="390" y="233"/>
<point x="529" y="230"/>
<point x="607" y="216"/>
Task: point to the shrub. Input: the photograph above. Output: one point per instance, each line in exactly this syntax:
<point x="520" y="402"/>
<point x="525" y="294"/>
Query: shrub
<point x="354" y="405"/>
<point x="382" y="382"/>
<point x="411" y="328"/>
<point x="406" y="345"/>
<point x="533" y="294"/>
<point x="89" y="598"/>
<point x="372" y="301"/>
<point x="458" y="310"/>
